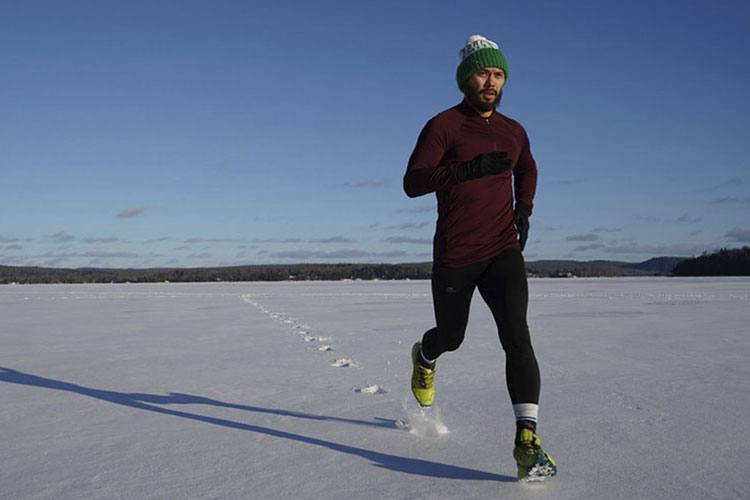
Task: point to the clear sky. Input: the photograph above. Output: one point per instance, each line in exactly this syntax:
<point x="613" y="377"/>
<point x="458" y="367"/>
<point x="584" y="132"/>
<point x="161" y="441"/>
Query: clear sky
<point x="182" y="133"/>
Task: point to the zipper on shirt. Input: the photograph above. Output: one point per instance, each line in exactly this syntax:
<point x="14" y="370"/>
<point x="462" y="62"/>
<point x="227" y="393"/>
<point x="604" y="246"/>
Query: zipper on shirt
<point x="487" y="121"/>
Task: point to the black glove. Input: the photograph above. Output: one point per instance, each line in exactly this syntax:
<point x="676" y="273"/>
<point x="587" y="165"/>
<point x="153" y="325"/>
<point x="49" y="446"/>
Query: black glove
<point x="522" y="214"/>
<point x="484" y="164"/>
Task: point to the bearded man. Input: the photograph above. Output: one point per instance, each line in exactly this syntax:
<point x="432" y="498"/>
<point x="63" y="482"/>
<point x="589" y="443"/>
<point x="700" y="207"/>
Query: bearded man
<point x="479" y="164"/>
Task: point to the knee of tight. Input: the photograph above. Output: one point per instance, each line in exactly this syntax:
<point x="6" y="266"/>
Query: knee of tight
<point x="452" y="343"/>
<point x="519" y="351"/>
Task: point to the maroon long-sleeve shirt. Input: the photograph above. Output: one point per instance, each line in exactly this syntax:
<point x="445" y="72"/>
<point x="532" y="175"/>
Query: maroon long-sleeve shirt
<point x="475" y="218"/>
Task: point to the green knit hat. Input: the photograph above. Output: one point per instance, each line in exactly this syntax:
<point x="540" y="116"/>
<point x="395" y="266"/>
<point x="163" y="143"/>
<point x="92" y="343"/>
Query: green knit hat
<point x="479" y="53"/>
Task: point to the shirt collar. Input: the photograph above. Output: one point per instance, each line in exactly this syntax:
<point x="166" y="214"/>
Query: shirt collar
<point x="467" y="110"/>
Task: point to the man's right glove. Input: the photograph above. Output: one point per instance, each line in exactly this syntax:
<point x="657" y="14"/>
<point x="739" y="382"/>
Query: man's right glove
<point x="521" y="218"/>
<point x="482" y="165"/>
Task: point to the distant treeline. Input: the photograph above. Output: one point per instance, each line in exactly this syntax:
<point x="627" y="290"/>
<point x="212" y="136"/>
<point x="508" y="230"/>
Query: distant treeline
<point x="735" y="262"/>
<point x="302" y="272"/>
<point x="318" y="272"/>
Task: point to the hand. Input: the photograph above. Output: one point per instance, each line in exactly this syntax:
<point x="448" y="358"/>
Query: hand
<point x="521" y="216"/>
<point x="484" y="164"/>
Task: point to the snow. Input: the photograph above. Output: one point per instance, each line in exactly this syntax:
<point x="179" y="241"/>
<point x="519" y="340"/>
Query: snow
<point x="222" y="390"/>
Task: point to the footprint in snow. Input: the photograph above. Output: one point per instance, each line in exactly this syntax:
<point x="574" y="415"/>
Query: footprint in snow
<point x="344" y="363"/>
<point x="371" y="389"/>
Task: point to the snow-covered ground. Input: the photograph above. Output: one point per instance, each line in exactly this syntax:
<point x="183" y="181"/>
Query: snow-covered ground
<point x="299" y="390"/>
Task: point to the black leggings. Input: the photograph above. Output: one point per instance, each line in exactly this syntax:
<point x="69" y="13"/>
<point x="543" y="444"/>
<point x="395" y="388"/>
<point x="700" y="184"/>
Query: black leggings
<point x="502" y="284"/>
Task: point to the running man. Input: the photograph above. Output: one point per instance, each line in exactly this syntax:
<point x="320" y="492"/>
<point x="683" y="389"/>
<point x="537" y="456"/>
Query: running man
<point x="475" y="159"/>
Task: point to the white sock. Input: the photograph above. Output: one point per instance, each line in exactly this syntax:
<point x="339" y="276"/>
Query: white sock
<point x="526" y="411"/>
<point x="430" y="362"/>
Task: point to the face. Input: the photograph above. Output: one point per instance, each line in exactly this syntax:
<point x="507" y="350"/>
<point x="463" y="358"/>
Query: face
<point x="484" y="88"/>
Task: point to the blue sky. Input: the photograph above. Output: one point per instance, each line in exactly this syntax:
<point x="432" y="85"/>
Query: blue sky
<point x="149" y="134"/>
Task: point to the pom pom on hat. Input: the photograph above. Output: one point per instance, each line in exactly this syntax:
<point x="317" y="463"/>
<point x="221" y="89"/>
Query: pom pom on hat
<point x="479" y="53"/>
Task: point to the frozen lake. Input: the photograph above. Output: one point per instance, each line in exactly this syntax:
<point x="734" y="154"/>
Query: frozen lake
<point x="294" y="390"/>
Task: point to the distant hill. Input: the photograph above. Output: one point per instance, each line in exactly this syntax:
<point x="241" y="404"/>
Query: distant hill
<point x="302" y="272"/>
<point x="659" y="266"/>
<point x="725" y="262"/>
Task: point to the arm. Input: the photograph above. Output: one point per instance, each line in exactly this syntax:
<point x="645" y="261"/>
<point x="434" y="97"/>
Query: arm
<point x="525" y="176"/>
<point x="425" y="173"/>
<point x="524" y="181"/>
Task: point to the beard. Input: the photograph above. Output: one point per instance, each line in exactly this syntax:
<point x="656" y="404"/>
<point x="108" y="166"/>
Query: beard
<point x="475" y="99"/>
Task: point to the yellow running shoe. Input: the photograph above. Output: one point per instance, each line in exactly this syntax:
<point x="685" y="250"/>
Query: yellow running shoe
<point x="533" y="463"/>
<point x="422" y="379"/>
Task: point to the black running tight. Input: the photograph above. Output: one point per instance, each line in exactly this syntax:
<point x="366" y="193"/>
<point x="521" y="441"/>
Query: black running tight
<point x="502" y="284"/>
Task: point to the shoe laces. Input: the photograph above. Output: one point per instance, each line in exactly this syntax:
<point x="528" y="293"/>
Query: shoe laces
<point x="530" y="442"/>
<point x="426" y="377"/>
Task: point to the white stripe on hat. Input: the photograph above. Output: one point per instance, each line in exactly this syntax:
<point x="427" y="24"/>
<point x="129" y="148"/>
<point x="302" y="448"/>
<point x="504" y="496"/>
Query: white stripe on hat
<point x="475" y="43"/>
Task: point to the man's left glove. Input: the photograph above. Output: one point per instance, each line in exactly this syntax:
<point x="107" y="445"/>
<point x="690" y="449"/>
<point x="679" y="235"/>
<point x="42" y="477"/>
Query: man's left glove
<point x="522" y="214"/>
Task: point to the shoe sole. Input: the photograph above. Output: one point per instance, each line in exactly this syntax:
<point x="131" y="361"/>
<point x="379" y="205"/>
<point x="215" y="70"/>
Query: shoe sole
<point x="540" y="471"/>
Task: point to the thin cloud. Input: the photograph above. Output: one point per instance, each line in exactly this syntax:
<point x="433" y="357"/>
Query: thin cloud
<point x="368" y="184"/>
<point x="416" y="210"/>
<point x="587" y="248"/>
<point x="408" y="239"/>
<point x="567" y="182"/>
<point x="159" y="240"/>
<point x="583" y="237"/>
<point x="730" y="200"/>
<point x="326" y="240"/>
<point x="647" y="218"/>
<point x="738" y="235"/>
<point x="204" y="255"/>
<point x="339" y="254"/>
<point x="284" y="240"/>
<point x="213" y="240"/>
<point x="333" y="239"/>
<point x="110" y="255"/>
<point x="730" y="183"/>
<point x="129" y="213"/>
<point x="13" y="260"/>
<point x="61" y="237"/>
<point x="13" y="247"/>
<point x="689" y="220"/>
<point x="408" y="225"/>
<point x="606" y="230"/>
<point x="229" y="162"/>
<point x="111" y="239"/>
<point x="8" y="239"/>
<point x="60" y="257"/>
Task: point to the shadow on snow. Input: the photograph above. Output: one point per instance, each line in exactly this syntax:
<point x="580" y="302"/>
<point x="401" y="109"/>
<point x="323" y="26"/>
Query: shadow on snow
<point x="147" y="402"/>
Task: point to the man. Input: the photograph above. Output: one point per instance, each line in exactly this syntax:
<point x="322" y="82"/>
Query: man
<point x="474" y="158"/>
